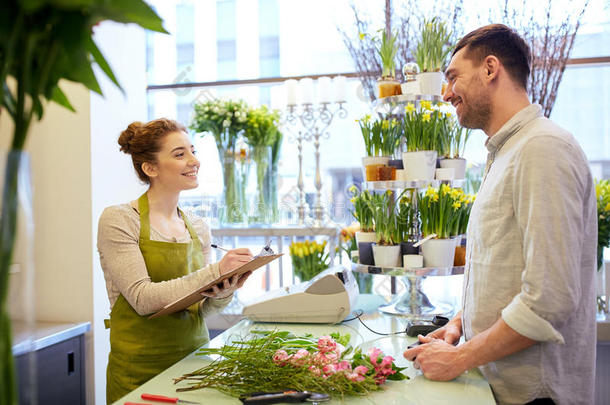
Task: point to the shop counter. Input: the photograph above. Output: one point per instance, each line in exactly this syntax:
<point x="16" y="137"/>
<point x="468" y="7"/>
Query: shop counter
<point x="470" y="388"/>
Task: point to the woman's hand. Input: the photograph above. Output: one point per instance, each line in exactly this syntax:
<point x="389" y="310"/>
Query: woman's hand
<point x="234" y="259"/>
<point x="228" y="286"/>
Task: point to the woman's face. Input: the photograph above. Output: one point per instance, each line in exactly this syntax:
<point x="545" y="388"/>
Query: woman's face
<point x="176" y="167"/>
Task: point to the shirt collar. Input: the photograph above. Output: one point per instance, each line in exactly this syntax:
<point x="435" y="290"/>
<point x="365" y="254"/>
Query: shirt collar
<point x="512" y="126"/>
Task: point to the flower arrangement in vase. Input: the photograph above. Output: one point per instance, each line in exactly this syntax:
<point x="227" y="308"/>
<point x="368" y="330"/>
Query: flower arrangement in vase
<point x="261" y="134"/>
<point x="225" y="120"/>
<point x="431" y="55"/>
<point x="308" y="259"/>
<point x="381" y="139"/>
<point x="443" y="213"/>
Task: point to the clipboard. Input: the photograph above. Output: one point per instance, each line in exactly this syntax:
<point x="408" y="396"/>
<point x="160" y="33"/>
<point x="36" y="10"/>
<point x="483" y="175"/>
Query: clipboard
<point x="195" y="296"/>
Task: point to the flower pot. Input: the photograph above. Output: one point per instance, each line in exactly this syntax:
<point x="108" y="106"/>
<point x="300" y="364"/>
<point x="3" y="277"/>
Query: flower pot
<point x="261" y="208"/>
<point x="386" y="173"/>
<point x="412" y="261"/>
<point x="371" y="165"/>
<point x="438" y="252"/>
<point x="410" y="88"/>
<point x="460" y="256"/>
<point x="419" y="165"/>
<point x="406" y="248"/>
<point x="388" y="87"/>
<point x="386" y="256"/>
<point x="365" y="253"/>
<point x="365" y="237"/>
<point x="458" y="165"/>
<point x="445" y="173"/>
<point x="430" y="83"/>
<point x="397" y="163"/>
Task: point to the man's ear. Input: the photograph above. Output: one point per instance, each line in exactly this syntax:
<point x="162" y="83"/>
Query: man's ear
<point x="149" y="169"/>
<point x="491" y="66"/>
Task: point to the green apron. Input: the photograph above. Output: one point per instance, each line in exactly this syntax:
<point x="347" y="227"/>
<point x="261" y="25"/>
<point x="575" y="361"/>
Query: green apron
<point x="141" y="348"/>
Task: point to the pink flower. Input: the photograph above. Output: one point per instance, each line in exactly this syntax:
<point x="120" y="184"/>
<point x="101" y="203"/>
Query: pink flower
<point x="362" y="370"/>
<point x="280" y="357"/>
<point x="355" y="377"/>
<point x="315" y="370"/>
<point x="321" y="359"/>
<point x="343" y="365"/>
<point x="328" y="370"/>
<point x="380" y="379"/>
<point x="326" y="344"/>
<point x="386" y="366"/>
<point x="373" y="354"/>
<point x="299" y="358"/>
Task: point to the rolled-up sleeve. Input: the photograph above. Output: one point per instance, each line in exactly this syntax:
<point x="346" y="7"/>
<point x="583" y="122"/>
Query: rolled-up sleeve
<point x="548" y="199"/>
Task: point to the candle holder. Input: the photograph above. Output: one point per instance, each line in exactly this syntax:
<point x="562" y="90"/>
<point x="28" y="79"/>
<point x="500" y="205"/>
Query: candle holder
<point x="315" y="121"/>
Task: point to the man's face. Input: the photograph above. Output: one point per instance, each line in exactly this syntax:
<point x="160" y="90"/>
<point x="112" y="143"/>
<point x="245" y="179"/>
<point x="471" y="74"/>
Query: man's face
<point x="467" y="92"/>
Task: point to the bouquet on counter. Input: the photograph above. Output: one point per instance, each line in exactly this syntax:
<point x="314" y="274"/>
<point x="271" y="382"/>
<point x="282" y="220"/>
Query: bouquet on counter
<point x="308" y="259"/>
<point x="277" y="360"/>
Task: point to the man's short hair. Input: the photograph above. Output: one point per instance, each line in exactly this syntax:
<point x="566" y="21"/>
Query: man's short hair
<point x="502" y="42"/>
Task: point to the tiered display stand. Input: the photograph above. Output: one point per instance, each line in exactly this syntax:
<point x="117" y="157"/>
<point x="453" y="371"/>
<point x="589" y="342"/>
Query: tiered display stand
<point x="414" y="303"/>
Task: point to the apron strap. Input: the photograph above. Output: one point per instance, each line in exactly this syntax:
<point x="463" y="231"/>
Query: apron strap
<point x="144" y="219"/>
<point x="189" y="226"/>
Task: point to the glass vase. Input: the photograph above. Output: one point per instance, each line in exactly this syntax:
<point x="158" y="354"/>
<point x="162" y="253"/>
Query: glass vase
<point x="261" y="207"/>
<point x="17" y="314"/>
<point x="235" y="175"/>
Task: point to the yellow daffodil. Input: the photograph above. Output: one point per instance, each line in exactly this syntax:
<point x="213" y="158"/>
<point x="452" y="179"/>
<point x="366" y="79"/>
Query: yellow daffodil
<point x="426" y="105"/>
<point x="448" y="114"/>
<point x="607" y="208"/>
<point x="361" y="35"/>
<point x="410" y="108"/>
<point x="430" y="191"/>
<point x="425" y="117"/>
<point x="385" y="124"/>
<point x="456" y="205"/>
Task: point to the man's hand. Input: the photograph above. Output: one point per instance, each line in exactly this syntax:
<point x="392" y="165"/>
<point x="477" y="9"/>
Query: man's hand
<point x="437" y="359"/>
<point x="450" y="333"/>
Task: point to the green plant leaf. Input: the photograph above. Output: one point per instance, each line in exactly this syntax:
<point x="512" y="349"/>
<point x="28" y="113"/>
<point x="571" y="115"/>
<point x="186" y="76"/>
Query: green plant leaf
<point x="132" y="11"/>
<point x="9" y="100"/>
<point x="60" y="98"/>
<point x="101" y="61"/>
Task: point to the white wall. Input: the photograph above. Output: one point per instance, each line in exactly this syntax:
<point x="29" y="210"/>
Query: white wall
<point x="112" y="174"/>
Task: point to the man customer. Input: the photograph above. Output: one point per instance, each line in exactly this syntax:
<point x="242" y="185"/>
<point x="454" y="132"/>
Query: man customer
<point x="528" y="308"/>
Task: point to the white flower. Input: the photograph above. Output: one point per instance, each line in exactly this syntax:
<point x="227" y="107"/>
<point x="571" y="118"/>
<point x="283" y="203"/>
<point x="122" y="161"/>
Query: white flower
<point x="242" y="119"/>
<point x="216" y="110"/>
<point x="237" y="114"/>
<point x="226" y="123"/>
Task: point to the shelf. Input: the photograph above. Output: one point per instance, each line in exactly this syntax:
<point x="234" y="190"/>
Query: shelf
<point x="408" y="272"/>
<point x="405" y="98"/>
<point x="401" y="184"/>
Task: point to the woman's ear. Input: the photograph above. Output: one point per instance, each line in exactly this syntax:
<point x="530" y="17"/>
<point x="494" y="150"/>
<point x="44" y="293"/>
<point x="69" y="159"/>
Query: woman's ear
<point x="150" y="169"/>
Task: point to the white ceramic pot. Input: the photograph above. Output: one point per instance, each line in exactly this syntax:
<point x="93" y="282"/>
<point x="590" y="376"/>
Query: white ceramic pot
<point x="445" y="173"/>
<point x="413" y="261"/>
<point x="430" y="83"/>
<point x="386" y="256"/>
<point x="438" y="252"/>
<point x="411" y="87"/>
<point x="365" y="237"/>
<point x="419" y="165"/>
<point x="458" y="165"/>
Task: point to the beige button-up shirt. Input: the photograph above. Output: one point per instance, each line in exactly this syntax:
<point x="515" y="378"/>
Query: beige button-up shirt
<point x="531" y="259"/>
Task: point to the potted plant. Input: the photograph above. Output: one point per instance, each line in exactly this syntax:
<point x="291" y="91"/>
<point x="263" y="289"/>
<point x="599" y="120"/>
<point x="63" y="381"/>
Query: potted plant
<point x="420" y="130"/>
<point x="386" y="251"/>
<point x="440" y="213"/>
<point x="363" y="214"/>
<point x="386" y="49"/>
<point x="261" y="133"/>
<point x="431" y="54"/>
<point x="42" y="44"/>
<point x="226" y="120"/>
<point x="371" y="134"/>
<point x="406" y="216"/>
<point x="454" y="145"/>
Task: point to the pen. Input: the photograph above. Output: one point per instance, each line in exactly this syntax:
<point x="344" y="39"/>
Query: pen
<point x="215" y="246"/>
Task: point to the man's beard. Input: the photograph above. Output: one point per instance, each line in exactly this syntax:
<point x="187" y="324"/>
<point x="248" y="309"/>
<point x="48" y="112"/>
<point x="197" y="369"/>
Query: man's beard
<point x="477" y="112"/>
